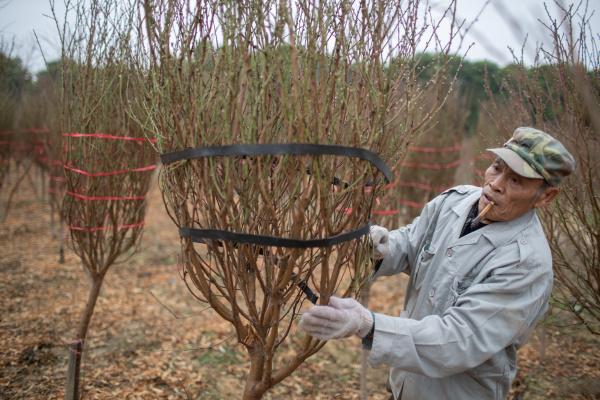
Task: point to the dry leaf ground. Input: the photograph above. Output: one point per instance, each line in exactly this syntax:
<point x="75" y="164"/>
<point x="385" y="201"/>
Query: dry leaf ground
<point x="149" y="337"/>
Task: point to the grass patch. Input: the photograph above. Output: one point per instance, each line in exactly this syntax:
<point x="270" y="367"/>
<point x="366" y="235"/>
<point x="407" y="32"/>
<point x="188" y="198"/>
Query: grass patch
<point x="223" y="355"/>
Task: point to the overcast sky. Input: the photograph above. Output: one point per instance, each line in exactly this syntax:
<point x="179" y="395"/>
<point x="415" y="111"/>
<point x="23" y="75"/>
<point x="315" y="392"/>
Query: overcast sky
<point x="501" y="24"/>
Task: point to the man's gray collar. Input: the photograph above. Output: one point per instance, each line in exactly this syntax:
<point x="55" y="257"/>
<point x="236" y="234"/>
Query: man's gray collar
<point x="497" y="233"/>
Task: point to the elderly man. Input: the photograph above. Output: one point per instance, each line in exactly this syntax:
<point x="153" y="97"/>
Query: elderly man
<point x="480" y="277"/>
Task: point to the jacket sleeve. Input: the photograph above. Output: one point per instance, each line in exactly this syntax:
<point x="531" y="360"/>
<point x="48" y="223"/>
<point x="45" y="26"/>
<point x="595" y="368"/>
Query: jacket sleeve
<point x="406" y="242"/>
<point x="486" y="318"/>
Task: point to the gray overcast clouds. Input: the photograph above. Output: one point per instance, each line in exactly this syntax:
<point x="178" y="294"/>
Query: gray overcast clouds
<point x="502" y="24"/>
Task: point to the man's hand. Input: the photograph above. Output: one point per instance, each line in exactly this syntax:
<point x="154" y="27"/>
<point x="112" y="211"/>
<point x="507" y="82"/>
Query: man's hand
<point x="343" y="317"/>
<point x="380" y="239"/>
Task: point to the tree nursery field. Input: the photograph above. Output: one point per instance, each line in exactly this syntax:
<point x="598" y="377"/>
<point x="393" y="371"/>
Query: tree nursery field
<point x="150" y="339"/>
<point x="284" y="130"/>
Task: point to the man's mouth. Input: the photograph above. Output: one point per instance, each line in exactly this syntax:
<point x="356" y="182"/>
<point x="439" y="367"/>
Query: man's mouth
<point x="489" y="199"/>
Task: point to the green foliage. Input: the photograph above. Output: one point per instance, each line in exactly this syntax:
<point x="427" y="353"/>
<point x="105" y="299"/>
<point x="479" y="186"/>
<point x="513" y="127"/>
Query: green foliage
<point x="223" y="355"/>
<point x="51" y="73"/>
<point x="475" y="80"/>
<point x="14" y="77"/>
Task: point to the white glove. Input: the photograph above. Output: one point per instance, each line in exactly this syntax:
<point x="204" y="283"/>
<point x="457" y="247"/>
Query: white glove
<point x="343" y="317"/>
<point x="380" y="239"/>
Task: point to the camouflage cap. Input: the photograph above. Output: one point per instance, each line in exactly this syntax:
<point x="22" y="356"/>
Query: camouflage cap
<point x="535" y="154"/>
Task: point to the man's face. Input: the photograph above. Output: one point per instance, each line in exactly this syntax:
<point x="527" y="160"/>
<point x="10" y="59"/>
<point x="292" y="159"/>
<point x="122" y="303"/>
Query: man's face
<point x="512" y="194"/>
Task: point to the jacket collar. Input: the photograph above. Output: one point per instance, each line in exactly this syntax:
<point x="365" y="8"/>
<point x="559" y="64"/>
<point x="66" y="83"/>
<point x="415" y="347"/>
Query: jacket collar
<point x="500" y="233"/>
<point x="461" y="209"/>
<point x="497" y="233"/>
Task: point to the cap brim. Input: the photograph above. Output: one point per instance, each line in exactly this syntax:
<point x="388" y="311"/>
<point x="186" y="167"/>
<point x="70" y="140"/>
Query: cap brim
<point x="516" y="163"/>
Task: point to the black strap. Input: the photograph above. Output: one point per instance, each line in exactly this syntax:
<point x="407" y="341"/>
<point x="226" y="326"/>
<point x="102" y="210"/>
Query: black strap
<point x="200" y="236"/>
<point x="310" y="295"/>
<point x="278" y="149"/>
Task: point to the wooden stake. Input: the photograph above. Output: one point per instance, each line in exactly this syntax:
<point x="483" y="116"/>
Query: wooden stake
<point x="72" y="389"/>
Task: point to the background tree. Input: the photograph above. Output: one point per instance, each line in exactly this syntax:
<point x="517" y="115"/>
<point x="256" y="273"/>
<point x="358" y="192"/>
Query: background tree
<point x="108" y="161"/>
<point x="562" y="97"/>
<point x="48" y="87"/>
<point x="14" y="78"/>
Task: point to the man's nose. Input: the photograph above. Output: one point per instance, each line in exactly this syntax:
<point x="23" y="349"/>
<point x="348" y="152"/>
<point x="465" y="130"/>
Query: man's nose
<point x="498" y="182"/>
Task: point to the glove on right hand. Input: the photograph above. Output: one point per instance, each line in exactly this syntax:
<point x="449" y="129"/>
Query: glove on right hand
<point x="380" y="239"/>
<point x="343" y="317"/>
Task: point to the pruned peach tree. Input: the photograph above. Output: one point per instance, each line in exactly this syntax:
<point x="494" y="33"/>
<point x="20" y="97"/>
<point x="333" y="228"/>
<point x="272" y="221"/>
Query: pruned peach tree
<point x="275" y="121"/>
<point x="107" y="160"/>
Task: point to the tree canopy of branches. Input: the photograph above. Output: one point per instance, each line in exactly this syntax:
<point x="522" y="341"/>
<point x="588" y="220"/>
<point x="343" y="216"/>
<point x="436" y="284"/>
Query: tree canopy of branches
<point x="264" y="72"/>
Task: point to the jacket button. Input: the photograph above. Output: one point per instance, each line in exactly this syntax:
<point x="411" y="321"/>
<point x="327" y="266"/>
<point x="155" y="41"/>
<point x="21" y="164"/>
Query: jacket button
<point x="432" y="292"/>
<point x="449" y="252"/>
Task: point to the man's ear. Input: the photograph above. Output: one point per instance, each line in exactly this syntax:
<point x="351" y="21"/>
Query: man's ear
<point x="546" y="197"/>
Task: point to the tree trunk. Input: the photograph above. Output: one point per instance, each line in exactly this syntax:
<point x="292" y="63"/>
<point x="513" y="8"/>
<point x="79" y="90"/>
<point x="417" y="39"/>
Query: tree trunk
<point x="42" y="183"/>
<point x="251" y="392"/>
<point x="542" y="344"/>
<point x="52" y="223"/>
<point x="61" y="250"/>
<point x="78" y="345"/>
<point x="254" y="389"/>
<point x="14" y="189"/>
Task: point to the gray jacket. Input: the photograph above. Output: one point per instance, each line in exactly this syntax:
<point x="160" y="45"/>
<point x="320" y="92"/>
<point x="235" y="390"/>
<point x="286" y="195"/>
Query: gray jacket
<point x="471" y="302"/>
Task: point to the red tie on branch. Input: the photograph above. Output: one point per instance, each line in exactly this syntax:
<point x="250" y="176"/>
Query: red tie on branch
<point x="455" y="148"/>
<point x="85" y="197"/>
<point x="110" y="173"/>
<point x="108" y="136"/>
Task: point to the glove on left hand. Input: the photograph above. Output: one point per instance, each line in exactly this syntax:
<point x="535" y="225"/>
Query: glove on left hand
<point x="380" y="238"/>
<point x="343" y="317"/>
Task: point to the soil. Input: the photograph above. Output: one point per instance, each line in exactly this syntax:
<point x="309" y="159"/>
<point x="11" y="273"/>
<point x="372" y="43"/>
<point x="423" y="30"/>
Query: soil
<point x="150" y="339"/>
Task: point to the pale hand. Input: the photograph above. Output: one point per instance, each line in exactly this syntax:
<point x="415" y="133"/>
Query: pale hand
<point x="343" y="317"/>
<point x="380" y="239"/>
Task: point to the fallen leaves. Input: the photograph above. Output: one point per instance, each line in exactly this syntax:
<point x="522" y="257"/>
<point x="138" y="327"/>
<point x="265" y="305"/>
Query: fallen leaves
<point x="149" y="337"/>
